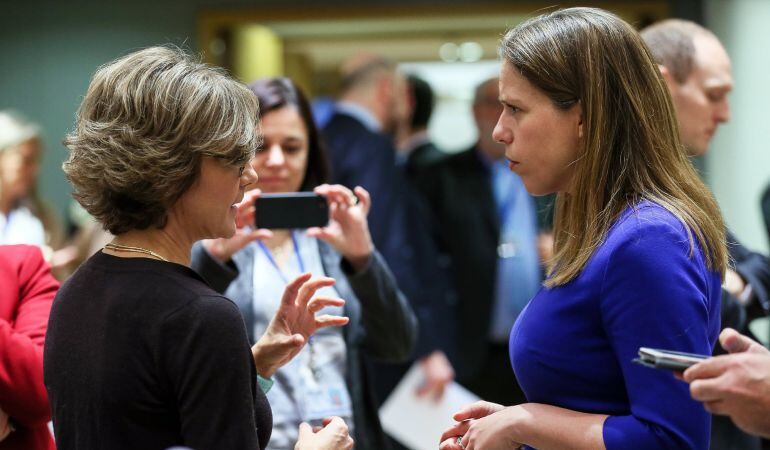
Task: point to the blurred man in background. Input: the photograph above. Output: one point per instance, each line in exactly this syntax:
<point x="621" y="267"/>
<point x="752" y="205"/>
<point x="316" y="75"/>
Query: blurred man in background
<point x="493" y="251"/>
<point x="415" y="146"/>
<point x="698" y="73"/>
<point x="360" y="137"/>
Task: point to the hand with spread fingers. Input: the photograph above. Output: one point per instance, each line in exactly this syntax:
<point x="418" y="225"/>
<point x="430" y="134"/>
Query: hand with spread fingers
<point x="736" y="384"/>
<point x="348" y="230"/>
<point x="334" y="435"/>
<point x="223" y="249"/>
<point x="294" y="323"/>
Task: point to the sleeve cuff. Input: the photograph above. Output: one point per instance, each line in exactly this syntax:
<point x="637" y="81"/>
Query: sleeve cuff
<point x="350" y="272"/>
<point x="265" y="384"/>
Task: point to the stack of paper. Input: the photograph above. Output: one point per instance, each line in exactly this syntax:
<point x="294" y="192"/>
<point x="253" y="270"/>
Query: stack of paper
<point x="418" y="422"/>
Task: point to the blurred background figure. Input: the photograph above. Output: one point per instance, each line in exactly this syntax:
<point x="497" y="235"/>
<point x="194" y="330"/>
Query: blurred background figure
<point x="360" y="135"/>
<point x="493" y="251"/>
<point x="328" y="377"/>
<point x="27" y="289"/>
<point x="24" y="218"/>
<point x="698" y="73"/>
<point x="414" y="144"/>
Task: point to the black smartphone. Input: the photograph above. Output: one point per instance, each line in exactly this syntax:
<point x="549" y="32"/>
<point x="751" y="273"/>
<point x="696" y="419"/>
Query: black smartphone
<point x="291" y="210"/>
<point x="668" y="360"/>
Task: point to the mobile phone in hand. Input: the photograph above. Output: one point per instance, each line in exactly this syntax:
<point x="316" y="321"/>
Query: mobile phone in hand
<point x="667" y="359"/>
<point x="286" y="210"/>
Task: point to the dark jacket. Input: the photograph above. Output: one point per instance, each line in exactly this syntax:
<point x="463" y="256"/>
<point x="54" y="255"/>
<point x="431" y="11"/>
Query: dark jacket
<point x="382" y="325"/>
<point x="461" y="198"/>
<point x="401" y="230"/>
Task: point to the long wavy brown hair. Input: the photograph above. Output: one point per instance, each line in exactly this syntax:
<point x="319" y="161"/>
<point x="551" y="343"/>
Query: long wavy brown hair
<point x="631" y="150"/>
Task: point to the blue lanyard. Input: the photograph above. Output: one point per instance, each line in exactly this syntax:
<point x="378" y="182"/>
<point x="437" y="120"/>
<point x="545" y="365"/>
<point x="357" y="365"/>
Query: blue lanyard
<point x="270" y="258"/>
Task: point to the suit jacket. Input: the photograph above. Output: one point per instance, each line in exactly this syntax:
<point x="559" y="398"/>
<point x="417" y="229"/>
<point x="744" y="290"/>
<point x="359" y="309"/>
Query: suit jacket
<point x="425" y="154"/>
<point x="755" y="269"/>
<point x="381" y="326"/>
<point x="26" y="293"/>
<point x="399" y="227"/>
<point x="361" y="157"/>
<point x="460" y="194"/>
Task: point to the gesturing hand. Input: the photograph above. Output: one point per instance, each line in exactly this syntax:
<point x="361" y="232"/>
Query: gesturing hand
<point x="348" y="230"/>
<point x="294" y="323"/>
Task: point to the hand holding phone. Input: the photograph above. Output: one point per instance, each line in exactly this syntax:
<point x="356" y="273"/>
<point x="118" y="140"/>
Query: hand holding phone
<point x="667" y="359"/>
<point x="348" y="229"/>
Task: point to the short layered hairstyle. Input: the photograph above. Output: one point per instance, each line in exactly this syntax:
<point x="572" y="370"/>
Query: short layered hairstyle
<point x="142" y="129"/>
<point x="631" y="149"/>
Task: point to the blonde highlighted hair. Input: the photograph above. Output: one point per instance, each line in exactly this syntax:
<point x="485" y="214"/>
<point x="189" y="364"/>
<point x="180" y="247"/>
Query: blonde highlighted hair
<point x="631" y="147"/>
<point x="142" y="128"/>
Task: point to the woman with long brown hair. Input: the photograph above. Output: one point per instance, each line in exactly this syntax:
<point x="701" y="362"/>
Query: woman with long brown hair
<point x="639" y="245"/>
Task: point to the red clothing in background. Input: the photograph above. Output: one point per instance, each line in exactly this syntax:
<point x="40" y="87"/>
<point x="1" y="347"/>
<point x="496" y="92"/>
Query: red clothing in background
<point x="27" y="290"/>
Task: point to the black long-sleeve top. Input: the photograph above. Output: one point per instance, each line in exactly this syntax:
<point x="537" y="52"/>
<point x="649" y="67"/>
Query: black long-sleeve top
<point x="144" y="354"/>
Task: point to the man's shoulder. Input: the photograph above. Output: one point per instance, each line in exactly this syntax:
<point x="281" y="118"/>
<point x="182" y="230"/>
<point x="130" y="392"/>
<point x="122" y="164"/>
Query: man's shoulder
<point x="453" y="163"/>
<point x="341" y="122"/>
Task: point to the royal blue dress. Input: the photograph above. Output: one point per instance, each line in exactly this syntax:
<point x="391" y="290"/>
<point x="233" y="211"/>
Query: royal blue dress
<point x="573" y="345"/>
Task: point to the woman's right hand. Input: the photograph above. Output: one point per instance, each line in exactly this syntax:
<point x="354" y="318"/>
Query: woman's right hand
<point x="223" y="249"/>
<point x="464" y="417"/>
<point x="333" y="436"/>
<point x="294" y="323"/>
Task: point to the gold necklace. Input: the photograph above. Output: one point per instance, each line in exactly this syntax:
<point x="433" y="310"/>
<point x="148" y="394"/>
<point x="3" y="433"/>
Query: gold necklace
<point x="125" y="248"/>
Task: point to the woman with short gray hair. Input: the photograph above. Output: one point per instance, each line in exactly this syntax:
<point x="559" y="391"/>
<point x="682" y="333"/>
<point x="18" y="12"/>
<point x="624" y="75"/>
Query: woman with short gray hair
<point x="141" y="352"/>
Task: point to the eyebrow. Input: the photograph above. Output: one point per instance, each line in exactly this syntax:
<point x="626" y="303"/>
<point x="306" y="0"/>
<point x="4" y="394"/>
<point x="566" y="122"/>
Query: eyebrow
<point x="508" y="101"/>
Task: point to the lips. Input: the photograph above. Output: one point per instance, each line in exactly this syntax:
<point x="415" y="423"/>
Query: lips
<point x="512" y="164"/>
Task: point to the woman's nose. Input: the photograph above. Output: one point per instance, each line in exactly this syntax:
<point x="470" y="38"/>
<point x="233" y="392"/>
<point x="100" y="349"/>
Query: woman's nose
<point x="275" y="156"/>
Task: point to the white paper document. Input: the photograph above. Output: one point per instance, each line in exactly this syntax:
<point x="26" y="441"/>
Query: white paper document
<point x="418" y="422"/>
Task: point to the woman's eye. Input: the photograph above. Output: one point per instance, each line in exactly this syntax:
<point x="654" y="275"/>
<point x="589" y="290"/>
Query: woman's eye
<point x="512" y="109"/>
<point x="292" y="149"/>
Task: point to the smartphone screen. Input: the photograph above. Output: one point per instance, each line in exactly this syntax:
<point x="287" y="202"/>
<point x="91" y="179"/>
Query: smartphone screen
<point x="288" y="210"/>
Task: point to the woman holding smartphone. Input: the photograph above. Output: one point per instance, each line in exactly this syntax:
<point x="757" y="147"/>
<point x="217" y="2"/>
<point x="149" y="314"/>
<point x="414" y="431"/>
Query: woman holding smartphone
<point x="639" y="245"/>
<point x="329" y="376"/>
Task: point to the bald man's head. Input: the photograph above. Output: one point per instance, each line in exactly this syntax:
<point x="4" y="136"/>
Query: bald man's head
<point x="698" y="73"/>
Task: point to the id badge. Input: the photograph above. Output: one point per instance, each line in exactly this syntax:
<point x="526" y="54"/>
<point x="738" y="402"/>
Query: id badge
<point x="322" y="391"/>
<point x="322" y="395"/>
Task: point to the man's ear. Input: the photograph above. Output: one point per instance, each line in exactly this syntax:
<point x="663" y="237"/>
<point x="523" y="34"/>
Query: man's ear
<point x="667" y="76"/>
<point x="384" y="88"/>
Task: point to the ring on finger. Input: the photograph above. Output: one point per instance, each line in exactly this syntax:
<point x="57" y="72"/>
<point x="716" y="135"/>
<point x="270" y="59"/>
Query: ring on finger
<point x="460" y="442"/>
